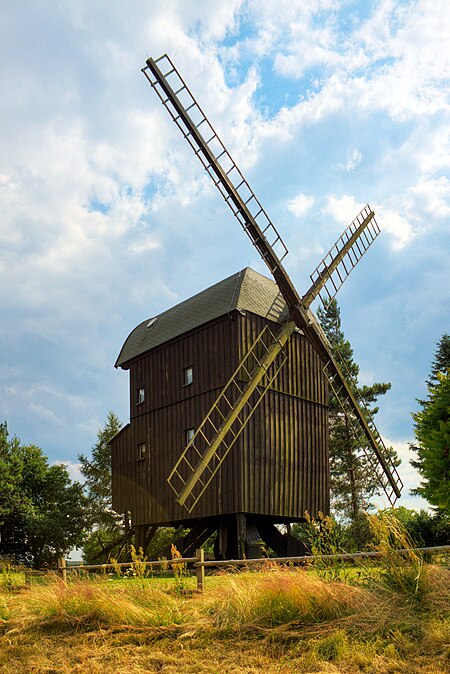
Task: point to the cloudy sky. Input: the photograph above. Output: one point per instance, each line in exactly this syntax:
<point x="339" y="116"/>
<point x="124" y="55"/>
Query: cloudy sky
<point x="107" y="218"/>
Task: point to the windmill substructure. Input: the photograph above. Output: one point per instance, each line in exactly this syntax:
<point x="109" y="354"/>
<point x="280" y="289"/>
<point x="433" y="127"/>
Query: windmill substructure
<point x="238" y="443"/>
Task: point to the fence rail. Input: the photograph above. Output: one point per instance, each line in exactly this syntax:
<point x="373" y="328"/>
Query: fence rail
<point x="200" y="564"/>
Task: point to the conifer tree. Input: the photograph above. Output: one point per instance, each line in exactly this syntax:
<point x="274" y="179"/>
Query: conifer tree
<point x="432" y="431"/>
<point x="353" y="482"/>
<point x="106" y="525"/>
<point x="441" y="360"/>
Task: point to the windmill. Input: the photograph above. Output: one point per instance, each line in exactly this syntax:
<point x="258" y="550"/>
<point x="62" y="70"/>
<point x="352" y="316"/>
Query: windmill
<point x="221" y="429"/>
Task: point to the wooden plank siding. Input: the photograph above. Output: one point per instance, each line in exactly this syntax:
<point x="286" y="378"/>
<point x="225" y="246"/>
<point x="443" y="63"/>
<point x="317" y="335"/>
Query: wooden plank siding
<point x="278" y="467"/>
<point x="284" y="450"/>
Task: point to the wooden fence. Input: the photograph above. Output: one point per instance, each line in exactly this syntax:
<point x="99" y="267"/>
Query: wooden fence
<point x="200" y="564"/>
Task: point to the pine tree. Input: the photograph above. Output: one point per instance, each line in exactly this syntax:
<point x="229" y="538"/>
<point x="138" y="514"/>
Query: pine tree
<point x="353" y="483"/>
<point x="441" y="360"/>
<point x="105" y="524"/>
<point x="432" y="431"/>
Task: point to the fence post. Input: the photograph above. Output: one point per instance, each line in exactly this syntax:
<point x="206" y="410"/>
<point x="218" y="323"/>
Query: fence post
<point x="62" y="569"/>
<point x="200" y="569"/>
<point x="27" y="575"/>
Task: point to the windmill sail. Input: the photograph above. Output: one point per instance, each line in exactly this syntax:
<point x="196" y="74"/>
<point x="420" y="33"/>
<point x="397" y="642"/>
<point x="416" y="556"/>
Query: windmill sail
<point x="223" y="424"/>
<point x="381" y="463"/>
<point x="189" y="117"/>
<point x="337" y="264"/>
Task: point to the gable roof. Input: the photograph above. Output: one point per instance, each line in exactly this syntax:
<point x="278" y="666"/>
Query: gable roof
<point x="245" y="291"/>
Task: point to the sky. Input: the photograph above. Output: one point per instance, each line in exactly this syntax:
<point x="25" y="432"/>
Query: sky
<point x="107" y="218"/>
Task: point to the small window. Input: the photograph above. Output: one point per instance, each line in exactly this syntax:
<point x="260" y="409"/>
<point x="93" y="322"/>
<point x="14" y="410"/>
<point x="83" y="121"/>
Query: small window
<point x="189" y="435"/>
<point x="188" y="378"/>
<point x="142" y="451"/>
<point x="140" y="395"/>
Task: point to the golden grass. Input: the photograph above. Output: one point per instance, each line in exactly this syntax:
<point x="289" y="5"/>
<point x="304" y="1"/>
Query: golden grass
<point x="278" y="597"/>
<point x="282" y="621"/>
<point x="88" y="605"/>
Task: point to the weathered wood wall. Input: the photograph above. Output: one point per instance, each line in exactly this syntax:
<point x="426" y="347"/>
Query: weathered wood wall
<point x="278" y="467"/>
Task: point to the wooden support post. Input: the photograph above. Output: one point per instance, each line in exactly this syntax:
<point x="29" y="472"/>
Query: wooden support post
<point x="27" y="575"/>
<point x="200" y="569"/>
<point x="140" y="531"/>
<point x="241" y="526"/>
<point x="62" y="570"/>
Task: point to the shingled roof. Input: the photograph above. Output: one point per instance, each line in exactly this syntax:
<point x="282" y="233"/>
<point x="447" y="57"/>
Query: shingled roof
<point x="245" y="291"/>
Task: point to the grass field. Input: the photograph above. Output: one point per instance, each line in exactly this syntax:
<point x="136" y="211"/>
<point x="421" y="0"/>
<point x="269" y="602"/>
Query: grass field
<point x="276" y="620"/>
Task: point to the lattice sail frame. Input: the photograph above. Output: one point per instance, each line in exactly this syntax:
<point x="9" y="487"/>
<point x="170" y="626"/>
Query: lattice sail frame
<point x="230" y="171"/>
<point x="227" y="418"/>
<point x="189" y="117"/>
<point x="361" y="439"/>
<point x="345" y="255"/>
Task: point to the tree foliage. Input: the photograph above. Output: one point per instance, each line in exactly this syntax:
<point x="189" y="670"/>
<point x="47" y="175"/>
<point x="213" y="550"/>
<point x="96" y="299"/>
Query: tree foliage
<point x="96" y="471"/>
<point x="432" y="431"/>
<point x="353" y="482"/>
<point x="42" y="513"/>
<point x="106" y="525"/>
<point x="441" y="360"/>
<point x="426" y="529"/>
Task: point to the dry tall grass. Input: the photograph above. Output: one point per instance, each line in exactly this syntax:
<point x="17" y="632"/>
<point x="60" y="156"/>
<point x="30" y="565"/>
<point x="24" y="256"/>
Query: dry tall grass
<point x="281" y="596"/>
<point x="87" y="605"/>
<point x="277" y="620"/>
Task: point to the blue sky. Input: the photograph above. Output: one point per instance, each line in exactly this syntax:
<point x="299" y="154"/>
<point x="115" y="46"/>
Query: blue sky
<point x="107" y="218"/>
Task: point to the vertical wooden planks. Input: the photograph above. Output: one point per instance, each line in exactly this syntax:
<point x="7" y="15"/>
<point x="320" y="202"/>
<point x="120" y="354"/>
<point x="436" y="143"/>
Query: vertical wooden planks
<point x="279" y="466"/>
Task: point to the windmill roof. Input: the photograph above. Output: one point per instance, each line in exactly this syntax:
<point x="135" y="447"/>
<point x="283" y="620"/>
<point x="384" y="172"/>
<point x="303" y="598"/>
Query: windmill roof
<point x="247" y="290"/>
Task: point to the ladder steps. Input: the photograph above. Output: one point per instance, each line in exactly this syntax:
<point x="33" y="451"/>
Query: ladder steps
<point x="208" y="430"/>
<point x="332" y="270"/>
<point x="194" y="497"/>
<point x="360" y="438"/>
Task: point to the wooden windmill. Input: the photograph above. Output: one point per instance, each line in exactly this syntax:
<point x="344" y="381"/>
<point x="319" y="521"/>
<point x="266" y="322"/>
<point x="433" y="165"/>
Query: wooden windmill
<point x="216" y="459"/>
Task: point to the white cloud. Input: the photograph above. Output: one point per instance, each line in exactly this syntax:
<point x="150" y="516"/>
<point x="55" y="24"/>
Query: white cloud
<point x="300" y="204"/>
<point x="396" y="225"/>
<point x="409" y="476"/>
<point x="432" y="151"/>
<point x="395" y="62"/>
<point x="416" y="211"/>
<point x="342" y="209"/>
<point x="433" y="195"/>
<point x="93" y="173"/>
<point x="74" y="470"/>
<point x="354" y="158"/>
<point x="144" y="246"/>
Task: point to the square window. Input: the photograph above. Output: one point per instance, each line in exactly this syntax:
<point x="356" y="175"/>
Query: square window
<point x="188" y="377"/>
<point x="142" y="451"/>
<point x="189" y="435"/>
<point x="141" y="395"/>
